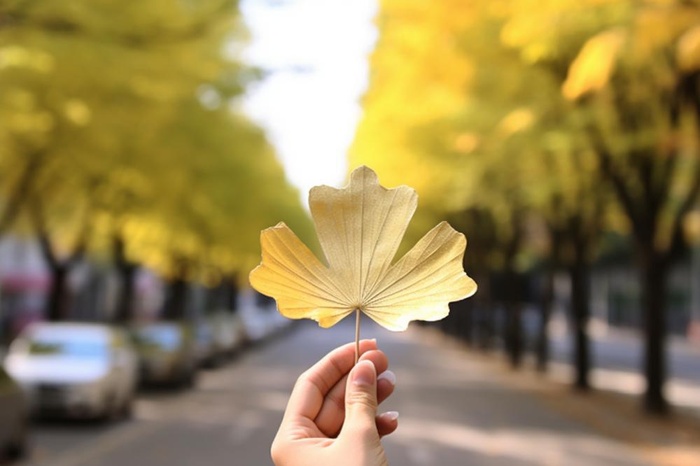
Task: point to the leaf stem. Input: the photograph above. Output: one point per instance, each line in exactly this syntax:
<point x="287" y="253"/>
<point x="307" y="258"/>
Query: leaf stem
<point x="357" y="335"/>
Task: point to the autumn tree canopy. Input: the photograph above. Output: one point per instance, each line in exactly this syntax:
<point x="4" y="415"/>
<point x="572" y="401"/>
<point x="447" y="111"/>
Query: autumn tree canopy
<point x="582" y="115"/>
<point x="123" y="121"/>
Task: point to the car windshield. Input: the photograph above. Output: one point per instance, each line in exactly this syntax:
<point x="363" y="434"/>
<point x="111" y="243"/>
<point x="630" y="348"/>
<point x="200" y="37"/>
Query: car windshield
<point x="67" y="347"/>
<point x="162" y="337"/>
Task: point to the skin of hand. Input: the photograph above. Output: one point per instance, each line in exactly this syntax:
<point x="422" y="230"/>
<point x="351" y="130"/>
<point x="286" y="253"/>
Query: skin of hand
<point x="331" y="416"/>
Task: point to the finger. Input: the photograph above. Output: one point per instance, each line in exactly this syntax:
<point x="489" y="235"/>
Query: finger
<point x="361" y="404"/>
<point x="386" y="383"/>
<point x="387" y="423"/>
<point x="313" y="385"/>
<point x="332" y="413"/>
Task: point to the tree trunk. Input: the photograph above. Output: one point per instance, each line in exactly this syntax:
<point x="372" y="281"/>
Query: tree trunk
<point x="15" y="200"/>
<point x="547" y="304"/>
<point x="176" y="303"/>
<point x="484" y="313"/>
<point x="57" y="304"/>
<point x="654" y="270"/>
<point x="231" y="289"/>
<point x="466" y="310"/>
<point x="57" y="301"/>
<point x="511" y="300"/>
<point x="56" y="307"/>
<point x="214" y="298"/>
<point x="460" y="325"/>
<point x="127" y="292"/>
<point x="513" y="331"/>
<point x="580" y="310"/>
<point x="547" y="299"/>
<point x="127" y="274"/>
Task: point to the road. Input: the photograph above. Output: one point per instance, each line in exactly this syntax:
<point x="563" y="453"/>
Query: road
<point x="455" y="411"/>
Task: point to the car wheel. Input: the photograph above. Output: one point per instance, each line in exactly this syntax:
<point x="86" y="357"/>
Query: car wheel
<point x="188" y="379"/>
<point x="110" y="410"/>
<point x="19" y="445"/>
<point x="127" y="408"/>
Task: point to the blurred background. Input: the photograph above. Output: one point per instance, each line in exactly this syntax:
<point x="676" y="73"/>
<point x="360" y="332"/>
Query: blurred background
<point x="144" y="145"/>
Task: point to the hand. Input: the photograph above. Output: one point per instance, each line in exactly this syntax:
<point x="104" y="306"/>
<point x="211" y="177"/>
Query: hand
<point x="331" y="417"/>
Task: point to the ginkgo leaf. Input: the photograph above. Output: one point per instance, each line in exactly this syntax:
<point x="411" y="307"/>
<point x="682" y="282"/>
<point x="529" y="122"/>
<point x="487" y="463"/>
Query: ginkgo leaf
<point x="360" y="228"/>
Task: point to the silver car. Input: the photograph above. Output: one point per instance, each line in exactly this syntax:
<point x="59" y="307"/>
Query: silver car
<point x="167" y="353"/>
<point x="75" y="369"/>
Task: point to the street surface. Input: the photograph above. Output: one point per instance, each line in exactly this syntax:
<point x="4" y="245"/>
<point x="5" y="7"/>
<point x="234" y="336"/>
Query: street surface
<point x="455" y="411"/>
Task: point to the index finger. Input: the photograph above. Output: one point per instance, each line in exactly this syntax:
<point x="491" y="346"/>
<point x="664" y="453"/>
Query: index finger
<point x="314" y="384"/>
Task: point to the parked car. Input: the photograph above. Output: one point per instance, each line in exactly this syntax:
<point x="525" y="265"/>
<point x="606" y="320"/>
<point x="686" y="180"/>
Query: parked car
<point x="260" y="317"/>
<point x="219" y="334"/>
<point x="228" y="333"/>
<point x="14" y="428"/>
<point x="75" y="369"/>
<point x="207" y="354"/>
<point x="167" y="352"/>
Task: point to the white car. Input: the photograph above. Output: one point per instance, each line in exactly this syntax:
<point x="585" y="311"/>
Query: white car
<point x="259" y="316"/>
<point x="75" y="369"/>
<point x="229" y="332"/>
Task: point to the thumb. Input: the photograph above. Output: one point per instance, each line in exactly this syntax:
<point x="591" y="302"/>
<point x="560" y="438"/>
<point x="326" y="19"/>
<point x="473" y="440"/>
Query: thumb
<point x="361" y="400"/>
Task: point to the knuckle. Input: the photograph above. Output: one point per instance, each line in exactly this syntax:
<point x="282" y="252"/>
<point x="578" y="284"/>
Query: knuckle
<point x="361" y="398"/>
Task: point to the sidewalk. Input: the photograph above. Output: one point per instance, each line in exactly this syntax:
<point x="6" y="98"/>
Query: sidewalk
<point x="617" y="360"/>
<point x="612" y="425"/>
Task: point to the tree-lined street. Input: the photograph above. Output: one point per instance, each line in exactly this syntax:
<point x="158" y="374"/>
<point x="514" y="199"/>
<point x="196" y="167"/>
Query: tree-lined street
<point x="558" y="136"/>
<point x="561" y="138"/>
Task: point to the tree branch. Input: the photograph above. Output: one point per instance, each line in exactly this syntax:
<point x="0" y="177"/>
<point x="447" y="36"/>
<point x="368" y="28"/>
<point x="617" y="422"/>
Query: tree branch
<point x="63" y="25"/>
<point x="20" y="191"/>
<point x="617" y="180"/>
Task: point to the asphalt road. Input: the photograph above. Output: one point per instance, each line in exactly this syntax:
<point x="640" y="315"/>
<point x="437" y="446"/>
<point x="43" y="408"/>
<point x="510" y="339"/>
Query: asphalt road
<point x="454" y="410"/>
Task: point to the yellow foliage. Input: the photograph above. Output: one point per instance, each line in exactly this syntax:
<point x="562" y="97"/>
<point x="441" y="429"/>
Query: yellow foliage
<point x="420" y="73"/>
<point x="592" y="68"/>
<point x="688" y="50"/>
<point x="22" y="57"/>
<point x="520" y="119"/>
<point x="77" y="111"/>
<point x="109" y="102"/>
<point x="656" y="27"/>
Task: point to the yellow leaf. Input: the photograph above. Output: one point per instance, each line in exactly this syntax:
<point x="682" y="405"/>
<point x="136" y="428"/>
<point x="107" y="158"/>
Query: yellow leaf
<point x="594" y="65"/>
<point x="688" y="50"/>
<point x="360" y="228"/>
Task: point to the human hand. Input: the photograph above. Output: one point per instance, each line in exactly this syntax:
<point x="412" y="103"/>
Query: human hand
<point x="331" y="417"/>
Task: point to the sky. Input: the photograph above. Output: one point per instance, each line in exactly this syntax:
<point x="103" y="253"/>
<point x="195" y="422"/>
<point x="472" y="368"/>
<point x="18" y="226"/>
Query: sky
<point x="316" y="52"/>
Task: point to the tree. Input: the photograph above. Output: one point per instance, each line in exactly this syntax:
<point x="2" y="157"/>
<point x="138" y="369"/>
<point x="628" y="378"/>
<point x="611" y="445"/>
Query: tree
<point x="632" y="75"/>
<point x="489" y="133"/>
<point x="126" y="117"/>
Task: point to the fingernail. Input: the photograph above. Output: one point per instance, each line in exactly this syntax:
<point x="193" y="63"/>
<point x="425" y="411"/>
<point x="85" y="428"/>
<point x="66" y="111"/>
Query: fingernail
<point x="389" y="376"/>
<point x="363" y="373"/>
<point x="390" y="415"/>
